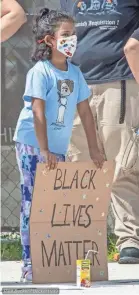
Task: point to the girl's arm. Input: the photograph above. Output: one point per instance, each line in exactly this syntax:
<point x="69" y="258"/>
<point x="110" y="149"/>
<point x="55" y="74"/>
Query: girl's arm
<point x="87" y="119"/>
<point x="38" y="107"/>
<point x="40" y="124"/>
<point x="12" y="18"/>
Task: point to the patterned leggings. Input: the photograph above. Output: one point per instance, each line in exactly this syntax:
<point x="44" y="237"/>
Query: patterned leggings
<point x="27" y="159"/>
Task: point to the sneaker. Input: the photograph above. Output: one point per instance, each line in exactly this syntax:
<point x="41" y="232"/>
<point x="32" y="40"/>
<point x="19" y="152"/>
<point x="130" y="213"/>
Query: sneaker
<point x="129" y="256"/>
<point x="26" y="274"/>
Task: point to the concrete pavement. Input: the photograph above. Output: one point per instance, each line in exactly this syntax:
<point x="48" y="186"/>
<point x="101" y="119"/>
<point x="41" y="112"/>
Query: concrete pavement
<point x="122" y="278"/>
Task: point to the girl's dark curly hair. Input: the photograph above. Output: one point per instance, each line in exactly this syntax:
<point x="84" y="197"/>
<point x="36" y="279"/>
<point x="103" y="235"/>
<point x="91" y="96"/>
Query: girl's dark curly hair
<point x="46" y="23"/>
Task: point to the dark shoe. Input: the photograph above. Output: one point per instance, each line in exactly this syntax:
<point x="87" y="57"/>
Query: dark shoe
<point x="129" y="256"/>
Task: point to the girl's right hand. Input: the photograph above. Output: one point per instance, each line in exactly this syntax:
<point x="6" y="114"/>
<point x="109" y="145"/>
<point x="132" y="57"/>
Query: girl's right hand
<point x="51" y="160"/>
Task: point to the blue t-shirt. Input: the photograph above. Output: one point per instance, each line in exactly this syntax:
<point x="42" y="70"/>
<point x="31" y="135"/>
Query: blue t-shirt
<point x="62" y="91"/>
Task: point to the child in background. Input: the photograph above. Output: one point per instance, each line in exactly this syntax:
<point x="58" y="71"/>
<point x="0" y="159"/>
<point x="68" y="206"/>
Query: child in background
<point x="54" y="88"/>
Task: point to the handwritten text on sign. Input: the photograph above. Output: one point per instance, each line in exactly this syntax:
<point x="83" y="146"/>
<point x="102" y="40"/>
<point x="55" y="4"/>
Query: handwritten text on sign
<point x="79" y="216"/>
<point x="62" y="182"/>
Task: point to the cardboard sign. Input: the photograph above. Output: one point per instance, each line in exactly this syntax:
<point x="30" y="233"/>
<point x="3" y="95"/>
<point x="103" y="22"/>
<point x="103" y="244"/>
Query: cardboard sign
<point x="69" y="218"/>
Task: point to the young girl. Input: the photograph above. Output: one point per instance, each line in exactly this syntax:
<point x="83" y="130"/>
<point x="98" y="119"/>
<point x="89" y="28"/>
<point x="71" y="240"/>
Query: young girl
<point x="54" y="88"/>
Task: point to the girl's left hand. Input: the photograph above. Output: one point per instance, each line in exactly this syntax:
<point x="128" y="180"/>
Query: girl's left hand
<point x="97" y="158"/>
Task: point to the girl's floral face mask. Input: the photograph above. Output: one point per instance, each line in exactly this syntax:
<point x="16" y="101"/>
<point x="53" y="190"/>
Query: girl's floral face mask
<point x="67" y="45"/>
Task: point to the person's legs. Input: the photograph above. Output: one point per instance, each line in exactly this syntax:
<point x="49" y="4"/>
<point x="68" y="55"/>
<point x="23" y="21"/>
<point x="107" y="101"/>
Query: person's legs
<point x="125" y="203"/>
<point x="125" y="193"/>
<point x="27" y="158"/>
<point x="120" y="143"/>
<point x="27" y="161"/>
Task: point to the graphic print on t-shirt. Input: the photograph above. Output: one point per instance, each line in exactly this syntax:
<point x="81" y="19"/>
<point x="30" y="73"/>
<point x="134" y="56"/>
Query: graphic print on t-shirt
<point x="98" y="7"/>
<point x="64" y="90"/>
<point x="108" y="9"/>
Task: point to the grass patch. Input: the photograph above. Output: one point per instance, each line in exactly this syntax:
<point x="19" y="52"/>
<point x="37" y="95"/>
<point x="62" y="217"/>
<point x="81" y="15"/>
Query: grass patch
<point x="11" y="249"/>
<point x="112" y="250"/>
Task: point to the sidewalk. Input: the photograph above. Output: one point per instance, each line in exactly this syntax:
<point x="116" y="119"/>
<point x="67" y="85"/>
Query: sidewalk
<point x="122" y="278"/>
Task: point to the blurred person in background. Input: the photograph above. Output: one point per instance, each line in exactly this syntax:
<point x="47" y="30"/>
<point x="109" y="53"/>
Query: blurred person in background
<point x="132" y="54"/>
<point x="12" y="18"/>
<point x="103" y="28"/>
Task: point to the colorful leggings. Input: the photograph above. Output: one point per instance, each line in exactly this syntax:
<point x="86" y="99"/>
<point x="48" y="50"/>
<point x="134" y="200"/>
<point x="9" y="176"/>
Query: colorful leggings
<point x="27" y="159"/>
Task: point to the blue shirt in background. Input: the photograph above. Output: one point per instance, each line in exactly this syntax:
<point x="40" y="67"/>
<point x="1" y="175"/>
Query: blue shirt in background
<point x="62" y="91"/>
<point x="103" y="28"/>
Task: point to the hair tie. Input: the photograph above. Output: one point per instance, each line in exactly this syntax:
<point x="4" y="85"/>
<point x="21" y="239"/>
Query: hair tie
<point x="40" y="41"/>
